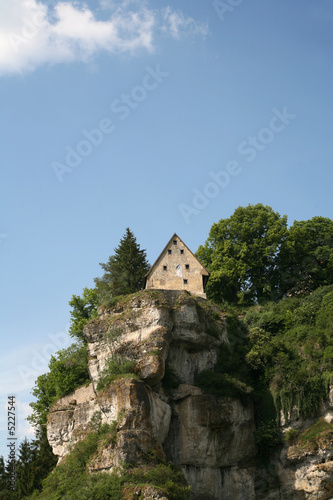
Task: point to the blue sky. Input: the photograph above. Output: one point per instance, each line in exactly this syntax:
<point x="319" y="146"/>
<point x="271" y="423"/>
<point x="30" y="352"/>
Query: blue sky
<point x="159" y="116"/>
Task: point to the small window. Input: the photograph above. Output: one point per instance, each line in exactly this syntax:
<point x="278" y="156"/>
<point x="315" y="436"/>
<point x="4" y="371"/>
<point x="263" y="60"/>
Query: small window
<point x="165" y="268"/>
<point x="169" y="251"/>
<point x="185" y="282"/>
<point x="182" y="251"/>
<point x="187" y="266"/>
<point x="174" y="242"/>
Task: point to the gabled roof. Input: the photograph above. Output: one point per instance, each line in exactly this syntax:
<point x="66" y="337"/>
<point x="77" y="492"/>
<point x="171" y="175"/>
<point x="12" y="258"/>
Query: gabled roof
<point x="205" y="272"/>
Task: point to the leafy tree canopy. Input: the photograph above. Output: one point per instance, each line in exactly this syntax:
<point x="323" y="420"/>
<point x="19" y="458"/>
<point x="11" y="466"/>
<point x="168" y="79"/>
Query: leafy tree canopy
<point x="124" y="271"/>
<point x="68" y="370"/>
<point x="306" y="256"/>
<point x="241" y="253"/>
<point x="83" y="310"/>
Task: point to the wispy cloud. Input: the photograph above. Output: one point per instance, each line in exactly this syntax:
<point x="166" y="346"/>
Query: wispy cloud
<point x="32" y="34"/>
<point x="177" y="25"/>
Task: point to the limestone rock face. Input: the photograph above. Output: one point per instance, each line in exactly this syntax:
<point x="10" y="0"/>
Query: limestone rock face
<point x="69" y="418"/>
<point x="143" y="421"/>
<point x="305" y="473"/>
<point x="210" y="432"/>
<point x="149" y="330"/>
<point x="212" y="439"/>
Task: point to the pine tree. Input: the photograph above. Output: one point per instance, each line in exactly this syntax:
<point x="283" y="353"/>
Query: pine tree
<point x="25" y="471"/>
<point x="124" y="270"/>
<point x="5" y="488"/>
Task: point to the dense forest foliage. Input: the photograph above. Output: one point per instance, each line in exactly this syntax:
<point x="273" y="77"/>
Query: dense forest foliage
<point x="276" y="287"/>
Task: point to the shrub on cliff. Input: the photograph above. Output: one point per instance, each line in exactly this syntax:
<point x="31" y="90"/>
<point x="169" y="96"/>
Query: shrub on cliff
<point x="290" y="349"/>
<point x="68" y="369"/>
<point x="70" y="479"/>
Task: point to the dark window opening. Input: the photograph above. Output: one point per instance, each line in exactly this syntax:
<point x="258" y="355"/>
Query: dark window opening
<point x="182" y="251"/>
<point x="174" y="242"/>
<point x="165" y="268"/>
<point x="185" y="282"/>
<point x="169" y="251"/>
<point x="187" y="266"/>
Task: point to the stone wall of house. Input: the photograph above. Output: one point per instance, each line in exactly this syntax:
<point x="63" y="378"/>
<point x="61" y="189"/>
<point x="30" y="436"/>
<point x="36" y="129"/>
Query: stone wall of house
<point x="166" y="275"/>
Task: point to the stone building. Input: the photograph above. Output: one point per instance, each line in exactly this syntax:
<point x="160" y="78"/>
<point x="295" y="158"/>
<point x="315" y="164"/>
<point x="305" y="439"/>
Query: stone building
<point x="177" y="269"/>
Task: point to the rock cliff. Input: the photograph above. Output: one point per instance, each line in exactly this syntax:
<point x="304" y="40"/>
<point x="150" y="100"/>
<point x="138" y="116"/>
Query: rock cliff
<point x="168" y="338"/>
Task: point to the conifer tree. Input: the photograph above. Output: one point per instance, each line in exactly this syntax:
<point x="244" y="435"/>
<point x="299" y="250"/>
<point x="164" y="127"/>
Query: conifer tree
<point x="124" y="271"/>
<point x="5" y="487"/>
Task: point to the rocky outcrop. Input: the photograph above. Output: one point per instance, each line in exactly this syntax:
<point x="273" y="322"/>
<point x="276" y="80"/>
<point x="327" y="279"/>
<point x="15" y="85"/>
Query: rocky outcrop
<point x="306" y="469"/>
<point x="158" y="410"/>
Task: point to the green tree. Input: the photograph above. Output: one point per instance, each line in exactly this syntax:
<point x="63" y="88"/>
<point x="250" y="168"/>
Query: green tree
<point x="26" y="478"/>
<point x="5" y="487"/>
<point x="83" y="310"/>
<point x="306" y="256"/>
<point x="241" y="255"/>
<point x="45" y="460"/>
<point x="68" y="370"/>
<point x="124" y="271"/>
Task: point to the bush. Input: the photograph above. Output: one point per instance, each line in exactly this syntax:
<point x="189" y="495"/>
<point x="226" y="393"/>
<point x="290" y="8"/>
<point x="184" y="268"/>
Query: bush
<point x="291" y="436"/>
<point x="166" y="477"/>
<point x="71" y="481"/>
<point x="117" y="367"/>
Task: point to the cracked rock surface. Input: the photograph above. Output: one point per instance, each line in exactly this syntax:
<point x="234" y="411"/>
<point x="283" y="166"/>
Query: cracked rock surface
<point x="212" y="439"/>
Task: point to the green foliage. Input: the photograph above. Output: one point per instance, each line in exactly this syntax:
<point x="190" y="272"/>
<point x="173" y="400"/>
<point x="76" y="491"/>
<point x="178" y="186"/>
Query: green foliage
<point x="284" y="352"/>
<point x="166" y="477"/>
<point x="291" y="436"/>
<point x="71" y="481"/>
<point x="252" y="256"/>
<point x="231" y="376"/>
<point x="83" y="310"/>
<point x="5" y="486"/>
<point x="207" y="313"/>
<point x="231" y="358"/>
<point x="267" y="438"/>
<point x="291" y="349"/>
<point x="306" y="256"/>
<point x="124" y="271"/>
<point x="320" y="429"/>
<point x="116" y="367"/>
<point x="241" y="253"/>
<point x="96" y="421"/>
<point x="68" y="370"/>
<point x="34" y="462"/>
<point x="318" y="435"/>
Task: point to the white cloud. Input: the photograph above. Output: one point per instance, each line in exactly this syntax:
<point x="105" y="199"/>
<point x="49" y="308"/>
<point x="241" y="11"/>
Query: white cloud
<point x="32" y="34"/>
<point x="177" y="24"/>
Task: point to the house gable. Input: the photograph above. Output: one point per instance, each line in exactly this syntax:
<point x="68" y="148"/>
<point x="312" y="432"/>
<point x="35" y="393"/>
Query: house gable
<point x="177" y="268"/>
